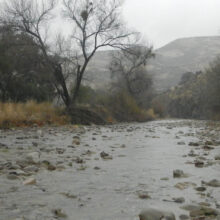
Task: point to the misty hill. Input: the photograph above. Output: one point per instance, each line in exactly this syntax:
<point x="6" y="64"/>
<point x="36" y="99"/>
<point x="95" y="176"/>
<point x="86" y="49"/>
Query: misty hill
<point x="172" y="60"/>
<point x="180" y="56"/>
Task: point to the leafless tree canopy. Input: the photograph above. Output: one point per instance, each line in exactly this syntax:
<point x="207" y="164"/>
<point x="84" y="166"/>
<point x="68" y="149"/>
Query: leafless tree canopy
<point x="30" y="17"/>
<point x="128" y="66"/>
<point x="96" y="24"/>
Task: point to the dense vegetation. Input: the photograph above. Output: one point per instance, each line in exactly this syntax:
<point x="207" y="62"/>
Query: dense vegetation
<point x="197" y="95"/>
<point x="23" y="75"/>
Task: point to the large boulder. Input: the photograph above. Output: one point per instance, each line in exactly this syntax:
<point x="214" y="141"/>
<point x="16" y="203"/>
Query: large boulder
<point x="85" y="116"/>
<point x="155" y="214"/>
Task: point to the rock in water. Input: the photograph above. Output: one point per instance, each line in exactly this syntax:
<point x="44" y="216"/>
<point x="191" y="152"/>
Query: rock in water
<point x="183" y="217"/>
<point x="33" y="157"/>
<point x="217" y="157"/>
<point x="30" y="181"/>
<point x="204" y="211"/>
<point x="214" y="183"/>
<point x="198" y="163"/>
<point x="181" y="143"/>
<point x="178" y="173"/>
<point x="194" y="144"/>
<point x="179" y="200"/>
<point x="143" y="195"/>
<point x="40" y="133"/>
<point x="155" y="214"/>
<point x="59" y="213"/>
<point x="104" y="155"/>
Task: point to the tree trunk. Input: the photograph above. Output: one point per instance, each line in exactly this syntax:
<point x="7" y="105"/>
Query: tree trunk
<point x="80" y="72"/>
<point x="60" y="79"/>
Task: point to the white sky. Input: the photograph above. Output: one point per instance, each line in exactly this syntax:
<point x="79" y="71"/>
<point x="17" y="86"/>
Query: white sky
<point x="162" y="21"/>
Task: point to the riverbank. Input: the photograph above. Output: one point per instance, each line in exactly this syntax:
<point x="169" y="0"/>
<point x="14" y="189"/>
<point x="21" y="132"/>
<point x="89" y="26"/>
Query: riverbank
<point x="109" y="172"/>
<point x="31" y="114"/>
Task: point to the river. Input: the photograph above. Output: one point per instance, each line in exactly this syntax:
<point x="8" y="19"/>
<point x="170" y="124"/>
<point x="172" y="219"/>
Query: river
<point x="107" y="172"/>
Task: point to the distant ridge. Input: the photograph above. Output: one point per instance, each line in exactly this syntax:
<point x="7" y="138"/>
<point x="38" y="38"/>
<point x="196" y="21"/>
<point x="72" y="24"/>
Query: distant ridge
<point x="172" y="60"/>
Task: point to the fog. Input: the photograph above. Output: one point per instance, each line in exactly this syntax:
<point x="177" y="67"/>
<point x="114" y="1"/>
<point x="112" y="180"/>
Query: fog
<point x="165" y="20"/>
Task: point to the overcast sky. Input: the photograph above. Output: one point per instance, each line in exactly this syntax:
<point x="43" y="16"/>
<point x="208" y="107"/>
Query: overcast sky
<point x="162" y="21"/>
<point x="165" y="20"/>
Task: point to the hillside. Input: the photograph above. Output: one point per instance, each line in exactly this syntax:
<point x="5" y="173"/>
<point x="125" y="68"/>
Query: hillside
<point x="172" y="60"/>
<point x="180" y="56"/>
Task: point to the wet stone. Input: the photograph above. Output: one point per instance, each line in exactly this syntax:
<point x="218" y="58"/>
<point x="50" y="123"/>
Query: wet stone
<point x="155" y="214"/>
<point x="70" y="164"/>
<point x="200" y="188"/>
<point x="203" y="211"/>
<point x="81" y="168"/>
<point x="59" y="213"/>
<point x="199" y="163"/>
<point x="206" y="147"/>
<point x="69" y="195"/>
<point x="217" y="157"/>
<point x="181" y="143"/>
<point x="204" y="204"/>
<point x="143" y="195"/>
<point x="104" y="155"/>
<point x="79" y="160"/>
<point x="60" y="150"/>
<point x="35" y="144"/>
<point x="12" y="176"/>
<point x="30" y="181"/>
<point x="217" y="204"/>
<point x="209" y="143"/>
<point x="194" y="144"/>
<point x="184" y="185"/>
<point x="184" y="217"/>
<point x="33" y="157"/>
<point x="31" y="169"/>
<point x="17" y="172"/>
<point x="46" y="164"/>
<point x="60" y="168"/>
<point x="51" y="167"/>
<point x="190" y="207"/>
<point x="213" y="183"/>
<point x="179" y="200"/>
<point x="76" y="140"/>
<point x="178" y="173"/>
<point x="192" y="154"/>
<point x="123" y="146"/>
<point x="3" y="146"/>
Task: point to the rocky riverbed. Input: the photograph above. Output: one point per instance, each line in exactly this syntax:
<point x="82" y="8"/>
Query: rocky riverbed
<point x="111" y="172"/>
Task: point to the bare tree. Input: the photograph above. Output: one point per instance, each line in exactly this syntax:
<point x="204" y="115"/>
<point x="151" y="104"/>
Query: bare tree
<point x="128" y="68"/>
<point x="32" y="17"/>
<point x="97" y="24"/>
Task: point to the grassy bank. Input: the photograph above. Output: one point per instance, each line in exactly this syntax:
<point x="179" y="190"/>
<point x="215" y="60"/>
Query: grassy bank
<point x="113" y="109"/>
<point x="30" y="113"/>
<point x="121" y="107"/>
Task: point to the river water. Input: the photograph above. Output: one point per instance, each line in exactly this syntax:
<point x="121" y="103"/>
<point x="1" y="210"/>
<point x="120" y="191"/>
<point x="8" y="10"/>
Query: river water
<point x="85" y="186"/>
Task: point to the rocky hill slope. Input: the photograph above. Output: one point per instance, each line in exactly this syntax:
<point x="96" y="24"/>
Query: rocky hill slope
<point x="171" y="61"/>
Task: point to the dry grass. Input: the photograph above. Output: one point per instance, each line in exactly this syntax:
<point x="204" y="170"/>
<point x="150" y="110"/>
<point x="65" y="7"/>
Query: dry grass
<point x="123" y="107"/>
<point x="30" y="113"/>
<point x="150" y="114"/>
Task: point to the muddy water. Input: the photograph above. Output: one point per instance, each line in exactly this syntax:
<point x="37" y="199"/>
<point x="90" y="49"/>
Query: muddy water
<point x="85" y="186"/>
